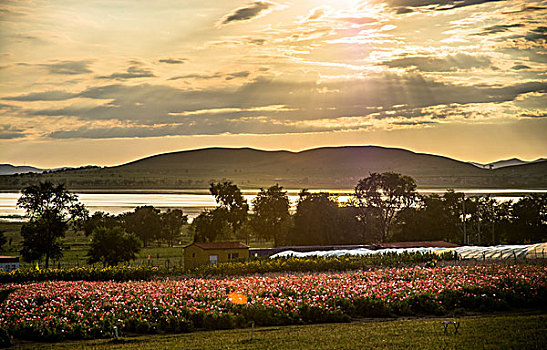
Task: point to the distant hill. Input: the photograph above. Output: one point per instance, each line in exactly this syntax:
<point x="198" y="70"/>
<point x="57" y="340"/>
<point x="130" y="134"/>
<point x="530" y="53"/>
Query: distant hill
<point x="329" y="168"/>
<point x="8" y="169"/>
<point x="506" y="162"/>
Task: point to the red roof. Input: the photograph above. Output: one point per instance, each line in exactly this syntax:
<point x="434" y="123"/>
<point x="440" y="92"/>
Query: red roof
<point x="220" y="245"/>
<point x="423" y="244"/>
<point x="9" y="259"/>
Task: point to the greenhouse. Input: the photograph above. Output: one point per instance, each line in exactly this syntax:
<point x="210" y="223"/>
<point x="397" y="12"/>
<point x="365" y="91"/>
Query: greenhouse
<point x="500" y="252"/>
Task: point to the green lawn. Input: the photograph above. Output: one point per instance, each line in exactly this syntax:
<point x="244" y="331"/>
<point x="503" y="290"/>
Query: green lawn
<point x="480" y="332"/>
<point x="76" y="246"/>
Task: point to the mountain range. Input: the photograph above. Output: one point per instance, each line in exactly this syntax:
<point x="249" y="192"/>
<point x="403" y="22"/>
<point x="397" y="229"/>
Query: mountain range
<point x="327" y="167"/>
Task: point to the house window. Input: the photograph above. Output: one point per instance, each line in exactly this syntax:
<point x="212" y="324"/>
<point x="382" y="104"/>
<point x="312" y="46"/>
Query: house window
<point x="233" y="256"/>
<point x="213" y="259"/>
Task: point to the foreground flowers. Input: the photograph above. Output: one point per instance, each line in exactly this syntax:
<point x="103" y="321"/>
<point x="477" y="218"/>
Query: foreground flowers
<point x="59" y="310"/>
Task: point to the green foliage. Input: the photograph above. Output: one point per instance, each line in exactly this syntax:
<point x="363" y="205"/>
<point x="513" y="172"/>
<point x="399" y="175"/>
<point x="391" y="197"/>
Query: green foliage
<point x="316" y="264"/>
<point x="530" y="219"/>
<point x="271" y="214"/>
<point x="171" y="225"/>
<point x="3" y="239"/>
<point x="112" y="273"/>
<point x="315" y="219"/>
<point x="51" y="210"/>
<point x="384" y="195"/>
<point x="112" y="246"/>
<point x="210" y="224"/>
<point x="144" y="221"/>
<point x="230" y="198"/>
<point x="319" y="264"/>
<point x="100" y="219"/>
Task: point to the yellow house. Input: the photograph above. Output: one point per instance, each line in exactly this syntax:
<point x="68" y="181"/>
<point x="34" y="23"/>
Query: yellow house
<point x="213" y="253"/>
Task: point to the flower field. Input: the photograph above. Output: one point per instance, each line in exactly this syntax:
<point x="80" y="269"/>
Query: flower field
<point x="58" y="310"/>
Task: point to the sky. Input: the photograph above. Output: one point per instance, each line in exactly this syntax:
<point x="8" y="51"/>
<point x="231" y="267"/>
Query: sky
<point x="107" y="82"/>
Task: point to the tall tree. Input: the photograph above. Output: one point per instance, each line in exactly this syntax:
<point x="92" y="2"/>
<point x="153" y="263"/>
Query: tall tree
<point x="144" y="221"/>
<point x="51" y="210"/>
<point x="229" y="197"/>
<point x="3" y="239"/>
<point x="100" y="219"/>
<point x="386" y="194"/>
<point x="112" y="246"/>
<point x="171" y="225"/>
<point x="271" y="213"/>
<point x="210" y="224"/>
<point x="315" y="220"/>
<point x="529" y="219"/>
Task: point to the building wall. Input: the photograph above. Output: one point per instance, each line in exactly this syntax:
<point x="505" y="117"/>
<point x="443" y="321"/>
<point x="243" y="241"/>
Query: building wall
<point x="195" y="256"/>
<point x="9" y="266"/>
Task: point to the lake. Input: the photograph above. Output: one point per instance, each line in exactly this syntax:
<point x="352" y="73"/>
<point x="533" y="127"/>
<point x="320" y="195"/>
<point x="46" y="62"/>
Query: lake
<point x="193" y="202"/>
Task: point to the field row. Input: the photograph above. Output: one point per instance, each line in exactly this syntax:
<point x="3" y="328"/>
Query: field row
<point x="81" y="310"/>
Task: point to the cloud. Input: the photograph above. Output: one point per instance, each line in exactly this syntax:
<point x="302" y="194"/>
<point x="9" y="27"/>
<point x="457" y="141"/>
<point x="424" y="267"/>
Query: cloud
<point x="197" y="76"/>
<point x="242" y="74"/>
<point x="408" y="6"/>
<point x="437" y="64"/>
<point x="133" y="72"/>
<point x="520" y="67"/>
<point x="172" y="60"/>
<point x="69" y="67"/>
<point x="538" y="34"/>
<point x="246" y="13"/>
<point x="526" y="9"/>
<point x="54" y="95"/>
<point x="8" y="132"/>
<point x="306" y="106"/>
<point x="500" y="28"/>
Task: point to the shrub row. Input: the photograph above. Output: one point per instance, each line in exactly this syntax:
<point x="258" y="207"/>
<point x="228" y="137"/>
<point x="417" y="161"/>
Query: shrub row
<point x="260" y="266"/>
<point x="321" y="264"/>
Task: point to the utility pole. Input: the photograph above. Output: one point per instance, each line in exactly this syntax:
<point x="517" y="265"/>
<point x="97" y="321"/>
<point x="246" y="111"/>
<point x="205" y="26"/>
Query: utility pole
<point x="464" y="218"/>
<point x="479" y="218"/>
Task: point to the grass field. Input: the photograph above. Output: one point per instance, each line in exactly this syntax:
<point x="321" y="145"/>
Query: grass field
<point x="523" y="331"/>
<point x="77" y="245"/>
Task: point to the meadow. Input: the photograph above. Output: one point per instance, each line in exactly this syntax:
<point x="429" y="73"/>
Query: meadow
<point x="520" y="331"/>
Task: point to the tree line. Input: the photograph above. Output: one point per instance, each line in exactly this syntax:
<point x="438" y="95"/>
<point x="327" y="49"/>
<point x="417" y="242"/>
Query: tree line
<point x="384" y="207"/>
<point x="52" y="211"/>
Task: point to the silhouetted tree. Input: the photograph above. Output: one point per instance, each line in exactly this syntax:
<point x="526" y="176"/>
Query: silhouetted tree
<point x="51" y="210"/>
<point x="385" y="195"/>
<point x="271" y="213"/>
<point x="3" y="239"/>
<point x="171" y="225"/>
<point x="315" y="219"/>
<point x="100" y="219"/>
<point x="210" y="224"/>
<point x="144" y="221"/>
<point x="529" y="219"/>
<point x="112" y="246"/>
<point x="229" y="197"/>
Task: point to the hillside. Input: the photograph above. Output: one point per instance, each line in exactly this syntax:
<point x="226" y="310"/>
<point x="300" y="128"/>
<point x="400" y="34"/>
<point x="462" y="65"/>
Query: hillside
<point x="8" y="169"/>
<point x="330" y="167"/>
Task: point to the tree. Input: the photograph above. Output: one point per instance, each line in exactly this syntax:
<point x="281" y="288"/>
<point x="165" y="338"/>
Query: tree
<point x="3" y="239"/>
<point x="144" y="221"/>
<point x="271" y="213"/>
<point x="315" y="220"/>
<point x="112" y="246"/>
<point x="51" y="210"/>
<point x="229" y="197"/>
<point x="529" y="219"/>
<point x="171" y="224"/>
<point x="385" y="194"/>
<point x="100" y="219"/>
<point x="210" y="224"/>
